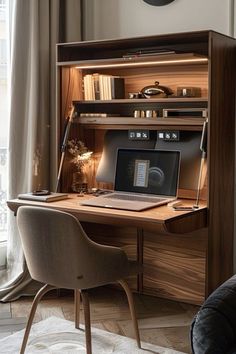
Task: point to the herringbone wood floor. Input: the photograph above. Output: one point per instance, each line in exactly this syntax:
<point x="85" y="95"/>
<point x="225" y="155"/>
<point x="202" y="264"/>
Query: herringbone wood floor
<point x="162" y="322"/>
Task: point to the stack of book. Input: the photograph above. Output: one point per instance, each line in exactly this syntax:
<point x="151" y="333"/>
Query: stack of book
<point x="103" y="87"/>
<point x="51" y="197"/>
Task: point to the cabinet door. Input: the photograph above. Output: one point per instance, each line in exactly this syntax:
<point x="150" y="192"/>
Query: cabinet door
<point x="174" y="266"/>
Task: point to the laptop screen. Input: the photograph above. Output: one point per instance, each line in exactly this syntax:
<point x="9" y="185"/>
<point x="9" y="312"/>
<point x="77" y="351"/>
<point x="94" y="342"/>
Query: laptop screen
<point x="147" y="171"/>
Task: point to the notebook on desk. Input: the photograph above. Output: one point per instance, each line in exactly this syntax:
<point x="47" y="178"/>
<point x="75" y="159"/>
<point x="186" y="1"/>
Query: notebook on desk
<point x="143" y="179"/>
<point x="51" y="197"/>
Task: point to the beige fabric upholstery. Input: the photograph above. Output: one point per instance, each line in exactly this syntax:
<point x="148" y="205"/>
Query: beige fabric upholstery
<point x="59" y="253"/>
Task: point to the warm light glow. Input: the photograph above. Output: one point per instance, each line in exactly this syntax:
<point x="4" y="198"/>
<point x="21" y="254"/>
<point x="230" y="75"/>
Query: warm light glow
<point x="85" y="156"/>
<point x="148" y="63"/>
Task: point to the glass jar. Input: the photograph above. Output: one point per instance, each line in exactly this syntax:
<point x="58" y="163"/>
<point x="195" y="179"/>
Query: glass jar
<point x="79" y="182"/>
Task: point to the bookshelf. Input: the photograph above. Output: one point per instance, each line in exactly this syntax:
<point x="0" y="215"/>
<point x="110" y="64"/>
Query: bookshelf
<point x="183" y="266"/>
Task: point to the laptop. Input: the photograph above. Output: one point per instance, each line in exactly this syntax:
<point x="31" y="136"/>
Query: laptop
<point x="143" y="179"/>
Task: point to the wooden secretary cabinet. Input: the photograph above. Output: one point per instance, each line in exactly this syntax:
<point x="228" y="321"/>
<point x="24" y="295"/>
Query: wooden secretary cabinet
<point x="178" y="265"/>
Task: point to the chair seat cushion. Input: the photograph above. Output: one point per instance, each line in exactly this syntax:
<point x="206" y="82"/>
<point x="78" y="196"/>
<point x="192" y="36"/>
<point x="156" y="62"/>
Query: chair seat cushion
<point x="214" y="327"/>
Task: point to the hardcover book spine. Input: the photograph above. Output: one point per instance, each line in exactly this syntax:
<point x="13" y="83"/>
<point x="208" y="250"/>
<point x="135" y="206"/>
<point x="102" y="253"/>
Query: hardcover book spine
<point x="117" y="87"/>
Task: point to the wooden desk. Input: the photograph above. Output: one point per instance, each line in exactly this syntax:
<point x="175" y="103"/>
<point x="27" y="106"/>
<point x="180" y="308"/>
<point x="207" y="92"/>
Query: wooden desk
<point x="161" y="219"/>
<point x="167" y="242"/>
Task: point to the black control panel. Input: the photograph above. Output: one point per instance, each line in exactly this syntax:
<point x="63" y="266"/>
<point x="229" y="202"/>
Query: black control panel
<point x="138" y="134"/>
<point x="170" y="135"/>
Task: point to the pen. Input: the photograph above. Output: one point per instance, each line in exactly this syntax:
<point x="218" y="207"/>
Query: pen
<point x="182" y="208"/>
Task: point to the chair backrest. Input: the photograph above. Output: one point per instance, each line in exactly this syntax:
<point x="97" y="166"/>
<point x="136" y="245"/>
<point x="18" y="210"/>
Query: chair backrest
<point x="58" y="251"/>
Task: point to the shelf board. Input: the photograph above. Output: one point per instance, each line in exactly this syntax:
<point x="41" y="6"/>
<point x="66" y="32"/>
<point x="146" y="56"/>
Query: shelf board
<point x="136" y="61"/>
<point x="146" y="100"/>
<point x="148" y="123"/>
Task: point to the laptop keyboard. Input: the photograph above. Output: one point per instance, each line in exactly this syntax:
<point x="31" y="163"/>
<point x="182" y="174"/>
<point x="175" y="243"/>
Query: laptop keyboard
<point x="134" y="198"/>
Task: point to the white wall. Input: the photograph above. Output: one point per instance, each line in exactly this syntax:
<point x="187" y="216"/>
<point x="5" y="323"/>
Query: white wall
<point x="128" y="18"/>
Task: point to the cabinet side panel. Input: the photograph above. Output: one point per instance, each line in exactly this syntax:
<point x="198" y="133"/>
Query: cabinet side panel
<point x="221" y="159"/>
<point x="174" y="266"/>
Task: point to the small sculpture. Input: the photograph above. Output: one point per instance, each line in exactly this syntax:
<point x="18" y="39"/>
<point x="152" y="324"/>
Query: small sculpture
<point x="156" y="90"/>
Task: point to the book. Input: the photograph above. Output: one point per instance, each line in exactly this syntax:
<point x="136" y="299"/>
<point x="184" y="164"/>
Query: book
<point x="96" y="87"/>
<point x="86" y="88"/>
<point x="147" y="53"/>
<point x="89" y="90"/>
<point x="52" y="197"/>
<point x="114" y="87"/>
<point x="117" y="87"/>
<point x="103" y="87"/>
<point x="101" y="115"/>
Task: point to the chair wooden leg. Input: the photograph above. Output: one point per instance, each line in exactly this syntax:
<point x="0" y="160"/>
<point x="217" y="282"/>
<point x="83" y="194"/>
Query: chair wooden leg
<point x="85" y="300"/>
<point x="77" y="308"/>
<point x="132" y="309"/>
<point x="36" y="300"/>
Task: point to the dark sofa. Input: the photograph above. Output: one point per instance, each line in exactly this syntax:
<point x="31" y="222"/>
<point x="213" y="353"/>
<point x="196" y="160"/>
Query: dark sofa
<point x="213" y="330"/>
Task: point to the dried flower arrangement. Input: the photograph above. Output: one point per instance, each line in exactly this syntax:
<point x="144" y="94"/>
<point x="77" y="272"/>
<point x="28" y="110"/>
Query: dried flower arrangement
<point x="80" y="152"/>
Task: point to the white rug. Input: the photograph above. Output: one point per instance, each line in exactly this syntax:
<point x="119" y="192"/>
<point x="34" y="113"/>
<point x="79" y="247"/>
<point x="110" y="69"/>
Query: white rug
<point x="58" y="336"/>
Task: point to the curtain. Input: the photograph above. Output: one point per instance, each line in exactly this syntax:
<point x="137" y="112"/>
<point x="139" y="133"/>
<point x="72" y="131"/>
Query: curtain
<point x="37" y="25"/>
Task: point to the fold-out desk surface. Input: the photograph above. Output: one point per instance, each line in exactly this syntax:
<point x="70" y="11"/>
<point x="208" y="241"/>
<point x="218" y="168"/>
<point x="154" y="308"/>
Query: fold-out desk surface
<point x="160" y="219"/>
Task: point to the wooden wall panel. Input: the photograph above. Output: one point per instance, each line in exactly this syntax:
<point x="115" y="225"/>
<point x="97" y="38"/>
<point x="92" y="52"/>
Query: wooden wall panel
<point x="173" y="77"/>
<point x="71" y="88"/>
<point x="174" y="266"/>
<point x="196" y="76"/>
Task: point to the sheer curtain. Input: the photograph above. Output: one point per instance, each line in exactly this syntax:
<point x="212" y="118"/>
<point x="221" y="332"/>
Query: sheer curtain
<point x="37" y="25"/>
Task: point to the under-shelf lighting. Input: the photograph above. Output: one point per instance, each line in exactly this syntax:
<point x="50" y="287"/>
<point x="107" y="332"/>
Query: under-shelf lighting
<point x="142" y="63"/>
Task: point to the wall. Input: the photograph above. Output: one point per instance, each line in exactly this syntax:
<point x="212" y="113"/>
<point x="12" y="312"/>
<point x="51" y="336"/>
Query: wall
<point x="128" y="18"/>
